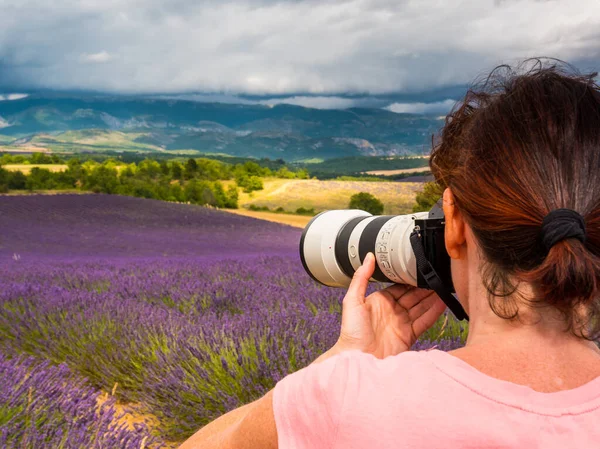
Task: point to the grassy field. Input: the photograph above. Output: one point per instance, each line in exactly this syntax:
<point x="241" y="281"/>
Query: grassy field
<point x="26" y="168"/>
<point x="291" y="194"/>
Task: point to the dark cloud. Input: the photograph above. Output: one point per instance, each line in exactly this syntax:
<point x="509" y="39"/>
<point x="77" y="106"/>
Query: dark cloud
<point x="283" y="48"/>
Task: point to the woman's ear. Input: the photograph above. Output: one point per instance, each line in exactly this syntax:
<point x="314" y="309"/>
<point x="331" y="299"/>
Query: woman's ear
<point x="455" y="225"/>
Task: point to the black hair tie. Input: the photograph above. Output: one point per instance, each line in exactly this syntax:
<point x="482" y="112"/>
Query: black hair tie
<point x="562" y="224"/>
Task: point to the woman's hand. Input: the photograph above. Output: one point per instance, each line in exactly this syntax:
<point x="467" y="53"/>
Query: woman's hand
<point x="388" y="321"/>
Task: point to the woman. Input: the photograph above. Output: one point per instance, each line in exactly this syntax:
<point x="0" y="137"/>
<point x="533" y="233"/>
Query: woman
<point x="519" y="160"/>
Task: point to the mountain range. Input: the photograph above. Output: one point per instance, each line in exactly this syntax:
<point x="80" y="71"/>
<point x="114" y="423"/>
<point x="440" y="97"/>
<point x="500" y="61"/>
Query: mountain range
<point x="293" y="133"/>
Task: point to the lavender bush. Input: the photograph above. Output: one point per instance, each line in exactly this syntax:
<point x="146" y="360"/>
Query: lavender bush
<point x="49" y="406"/>
<point x="191" y="311"/>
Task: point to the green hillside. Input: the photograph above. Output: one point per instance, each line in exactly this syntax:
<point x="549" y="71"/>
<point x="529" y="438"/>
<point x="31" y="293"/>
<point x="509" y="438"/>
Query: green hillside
<point x="292" y="133"/>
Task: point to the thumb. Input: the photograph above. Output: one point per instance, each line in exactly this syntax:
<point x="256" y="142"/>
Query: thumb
<point x="360" y="281"/>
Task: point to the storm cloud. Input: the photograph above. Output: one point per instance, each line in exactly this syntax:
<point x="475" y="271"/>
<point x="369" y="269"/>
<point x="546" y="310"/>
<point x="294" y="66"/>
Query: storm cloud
<point x="285" y="48"/>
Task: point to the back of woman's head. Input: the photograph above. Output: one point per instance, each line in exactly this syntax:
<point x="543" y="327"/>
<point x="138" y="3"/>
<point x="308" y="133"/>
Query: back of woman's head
<point x="525" y="143"/>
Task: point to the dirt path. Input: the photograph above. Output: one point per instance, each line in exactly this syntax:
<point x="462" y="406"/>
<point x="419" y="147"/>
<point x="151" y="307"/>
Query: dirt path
<point x="298" y="221"/>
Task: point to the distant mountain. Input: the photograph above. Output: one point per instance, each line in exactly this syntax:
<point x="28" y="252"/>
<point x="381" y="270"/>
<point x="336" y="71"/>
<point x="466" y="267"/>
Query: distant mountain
<point x="101" y="123"/>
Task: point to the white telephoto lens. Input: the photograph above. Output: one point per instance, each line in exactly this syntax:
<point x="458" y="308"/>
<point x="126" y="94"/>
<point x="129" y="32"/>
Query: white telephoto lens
<point x="393" y="251"/>
<point x="354" y="242"/>
<point x="317" y="246"/>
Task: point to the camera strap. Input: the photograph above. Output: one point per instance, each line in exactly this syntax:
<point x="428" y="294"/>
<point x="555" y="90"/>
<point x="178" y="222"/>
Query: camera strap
<point x="433" y="280"/>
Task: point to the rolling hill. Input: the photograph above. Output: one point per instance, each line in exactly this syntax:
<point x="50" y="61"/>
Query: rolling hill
<point x="292" y="133"/>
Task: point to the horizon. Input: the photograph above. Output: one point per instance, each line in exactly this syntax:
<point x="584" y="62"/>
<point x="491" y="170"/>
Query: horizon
<point x="399" y="103"/>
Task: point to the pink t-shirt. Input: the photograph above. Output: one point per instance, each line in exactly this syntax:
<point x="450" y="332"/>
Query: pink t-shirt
<point x="426" y="400"/>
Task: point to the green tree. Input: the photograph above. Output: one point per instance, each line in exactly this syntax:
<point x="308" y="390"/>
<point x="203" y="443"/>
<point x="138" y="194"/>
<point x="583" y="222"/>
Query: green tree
<point x="40" y="179"/>
<point x="17" y="181"/>
<point x="252" y="168"/>
<point x="126" y="172"/>
<point x="176" y="192"/>
<point x="427" y="198"/>
<point x="199" y="192"/>
<point x="225" y="199"/>
<point x="176" y="170"/>
<point x="232" y="198"/>
<point x="149" y="168"/>
<point x="64" y="180"/>
<point x="302" y="174"/>
<point x="41" y="158"/>
<point x="164" y="168"/>
<point x="254" y="183"/>
<point x="101" y="180"/>
<point x="249" y="183"/>
<point x="285" y="173"/>
<point x="191" y="168"/>
<point x="4" y="180"/>
<point x="212" y="170"/>
<point x="6" y="158"/>
<point x="367" y="202"/>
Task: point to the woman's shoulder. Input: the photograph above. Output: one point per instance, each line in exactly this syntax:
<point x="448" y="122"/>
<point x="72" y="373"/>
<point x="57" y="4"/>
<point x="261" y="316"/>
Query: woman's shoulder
<point x="405" y="373"/>
<point x="408" y="360"/>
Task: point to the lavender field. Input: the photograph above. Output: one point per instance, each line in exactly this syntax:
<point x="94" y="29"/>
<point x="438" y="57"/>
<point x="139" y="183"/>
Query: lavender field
<point x="171" y="313"/>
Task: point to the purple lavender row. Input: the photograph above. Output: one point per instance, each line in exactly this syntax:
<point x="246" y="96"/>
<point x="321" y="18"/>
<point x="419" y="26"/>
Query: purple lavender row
<point x="46" y="406"/>
<point x="92" y="226"/>
<point x="190" y="339"/>
<point x="192" y="311"/>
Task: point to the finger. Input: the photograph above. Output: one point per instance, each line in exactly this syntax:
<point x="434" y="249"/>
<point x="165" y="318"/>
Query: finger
<point x="422" y="306"/>
<point x="360" y="281"/>
<point x="396" y="291"/>
<point x="413" y="297"/>
<point x="428" y="319"/>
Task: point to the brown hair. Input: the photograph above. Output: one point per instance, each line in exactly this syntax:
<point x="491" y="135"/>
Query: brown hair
<point x="522" y="143"/>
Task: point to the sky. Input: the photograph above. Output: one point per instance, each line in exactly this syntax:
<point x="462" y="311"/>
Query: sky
<point x="315" y="53"/>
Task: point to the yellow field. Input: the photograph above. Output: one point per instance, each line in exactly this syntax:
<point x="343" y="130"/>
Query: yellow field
<point x="291" y="194"/>
<point x="396" y="172"/>
<point x="26" y="168"/>
<point x="298" y="221"/>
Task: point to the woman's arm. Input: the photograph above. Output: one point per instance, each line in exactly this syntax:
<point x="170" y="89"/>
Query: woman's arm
<point x="386" y="323"/>
<point x="251" y="426"/>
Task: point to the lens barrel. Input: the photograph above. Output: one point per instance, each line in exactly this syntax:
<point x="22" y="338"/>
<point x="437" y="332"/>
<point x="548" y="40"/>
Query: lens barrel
<point x="335" y="243"/>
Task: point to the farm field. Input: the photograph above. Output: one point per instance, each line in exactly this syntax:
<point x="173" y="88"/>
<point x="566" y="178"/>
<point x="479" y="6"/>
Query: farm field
<point x="130" y="323"/>
<point x="26" y="168"/>
<point x="291" y="194"/>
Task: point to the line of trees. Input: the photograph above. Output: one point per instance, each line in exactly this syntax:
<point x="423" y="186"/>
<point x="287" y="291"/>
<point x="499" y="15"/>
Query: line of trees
<point x="35" y="158"/>
<point x="196" y="181"/>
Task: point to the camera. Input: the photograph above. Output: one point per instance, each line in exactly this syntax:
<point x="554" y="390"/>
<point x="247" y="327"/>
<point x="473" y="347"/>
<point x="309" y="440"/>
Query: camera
<point x="409" y="249"/>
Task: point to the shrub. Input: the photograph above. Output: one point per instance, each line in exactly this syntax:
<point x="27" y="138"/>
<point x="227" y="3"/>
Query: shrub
<point x="427" y="198"/>
<point x="256" y="208"/>
<point x="367" y="202"/>
<point x="249" y="183"/>
<point x="303" y="211"/>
